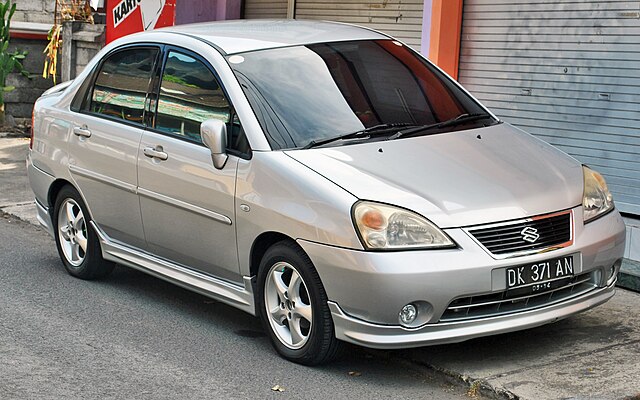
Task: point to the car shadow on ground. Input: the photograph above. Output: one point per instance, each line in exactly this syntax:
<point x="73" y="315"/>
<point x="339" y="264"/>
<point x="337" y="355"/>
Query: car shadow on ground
<point x="376" y="368"/>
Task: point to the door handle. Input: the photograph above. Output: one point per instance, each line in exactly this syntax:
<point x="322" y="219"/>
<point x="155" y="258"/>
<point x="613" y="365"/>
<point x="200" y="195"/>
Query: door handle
<point x="84" y="132"/>
<point x="155" y="153"/>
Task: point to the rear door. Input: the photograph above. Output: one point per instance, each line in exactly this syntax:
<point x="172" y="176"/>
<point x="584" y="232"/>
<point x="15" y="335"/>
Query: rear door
<point x="107" y="129"/>
<point x="187" y="204"/>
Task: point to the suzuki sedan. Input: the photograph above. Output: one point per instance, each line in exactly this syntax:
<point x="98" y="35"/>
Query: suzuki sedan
<point x="324" y="177"/>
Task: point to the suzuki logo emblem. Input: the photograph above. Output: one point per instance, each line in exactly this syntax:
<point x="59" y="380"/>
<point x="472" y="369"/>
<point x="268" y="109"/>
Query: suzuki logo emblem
<point x="529" y="234"/>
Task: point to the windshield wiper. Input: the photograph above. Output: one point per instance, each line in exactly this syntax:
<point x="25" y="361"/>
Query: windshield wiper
<point x="382" y="128"/>
<point x="460" y="119"/>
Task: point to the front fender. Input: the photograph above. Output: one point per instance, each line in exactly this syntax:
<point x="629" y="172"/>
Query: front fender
<point x="275" y="193"/>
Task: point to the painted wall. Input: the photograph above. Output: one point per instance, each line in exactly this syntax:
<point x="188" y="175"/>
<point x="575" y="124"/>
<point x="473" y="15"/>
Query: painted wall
<point x="442" y="25"/>
<point x="188" y="11"/>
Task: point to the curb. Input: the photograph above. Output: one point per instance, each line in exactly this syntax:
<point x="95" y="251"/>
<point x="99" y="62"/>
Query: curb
<point x="629" y="276"/>
<point x="14" y="135"/>
<point x="474" y="386"/>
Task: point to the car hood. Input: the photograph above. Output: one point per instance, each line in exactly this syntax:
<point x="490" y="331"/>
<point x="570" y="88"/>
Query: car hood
<point x="456" y="179"/>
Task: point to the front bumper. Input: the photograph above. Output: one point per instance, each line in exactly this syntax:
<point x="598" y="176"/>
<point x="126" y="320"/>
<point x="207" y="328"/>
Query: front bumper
<point x="378" y="336"/>
<point x="368" y="289"/>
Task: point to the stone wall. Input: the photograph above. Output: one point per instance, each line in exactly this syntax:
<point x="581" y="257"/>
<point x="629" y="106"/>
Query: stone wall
<point x="34" y="11"/>
<point x="75" y="54"/>
<point x="86" y="41"/>
<point x="19" y="102"/>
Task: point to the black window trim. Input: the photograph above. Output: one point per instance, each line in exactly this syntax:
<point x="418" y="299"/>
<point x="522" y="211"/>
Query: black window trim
<point x="154" y="92"/>
<point x="88" y="89"/>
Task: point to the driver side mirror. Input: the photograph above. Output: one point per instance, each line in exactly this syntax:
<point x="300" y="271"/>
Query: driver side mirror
<point x="214" y="136"/>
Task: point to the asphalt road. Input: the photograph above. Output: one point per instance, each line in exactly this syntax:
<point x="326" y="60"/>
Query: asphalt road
<point x="135" y="336"/>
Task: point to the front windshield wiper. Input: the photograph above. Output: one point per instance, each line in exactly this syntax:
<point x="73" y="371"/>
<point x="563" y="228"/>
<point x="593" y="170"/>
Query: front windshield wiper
<point x="460" y="119"/>
<point x="382" y="128"/>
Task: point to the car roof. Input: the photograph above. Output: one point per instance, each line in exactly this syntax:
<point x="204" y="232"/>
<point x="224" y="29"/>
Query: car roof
<point x="240" y="36"/>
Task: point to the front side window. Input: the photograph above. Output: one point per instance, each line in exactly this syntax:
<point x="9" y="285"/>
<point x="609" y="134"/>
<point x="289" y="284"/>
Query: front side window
<point x="189" y="95"/>
<point x="304" y="94"/>
<point x="121" y="86"/>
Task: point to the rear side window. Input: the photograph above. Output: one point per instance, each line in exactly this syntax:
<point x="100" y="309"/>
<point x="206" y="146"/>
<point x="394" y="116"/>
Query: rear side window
<point x="189" y="95"/>
<point x="122" y="83"/>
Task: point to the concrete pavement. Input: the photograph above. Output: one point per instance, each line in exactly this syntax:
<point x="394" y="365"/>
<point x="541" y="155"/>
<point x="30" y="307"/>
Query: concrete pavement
<point x="16" y="197"/>
<point x="594" y="355"/>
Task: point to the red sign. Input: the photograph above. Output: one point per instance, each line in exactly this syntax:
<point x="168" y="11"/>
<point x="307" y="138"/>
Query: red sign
<point x="130" y="16"/>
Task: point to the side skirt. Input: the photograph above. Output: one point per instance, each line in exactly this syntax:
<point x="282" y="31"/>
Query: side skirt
<point x="228" y="293"/>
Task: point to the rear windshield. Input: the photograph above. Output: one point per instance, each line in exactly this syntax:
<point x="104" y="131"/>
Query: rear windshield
<point x="309" y="93"/>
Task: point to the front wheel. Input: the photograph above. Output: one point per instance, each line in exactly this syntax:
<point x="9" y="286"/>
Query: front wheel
<point x="293" y="306"/>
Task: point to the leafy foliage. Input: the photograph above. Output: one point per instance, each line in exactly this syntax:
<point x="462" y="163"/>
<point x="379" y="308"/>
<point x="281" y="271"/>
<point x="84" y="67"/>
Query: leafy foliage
<point x="9" y="62"/>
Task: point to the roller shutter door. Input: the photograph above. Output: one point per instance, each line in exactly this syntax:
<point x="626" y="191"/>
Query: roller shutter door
<point x="567" y="72"/>
<point x="399" y="18"/>
<point x="265" y="9"/>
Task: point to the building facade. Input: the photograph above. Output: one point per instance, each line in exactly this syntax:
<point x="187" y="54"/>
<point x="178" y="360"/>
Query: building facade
<point x="565" y="71"/>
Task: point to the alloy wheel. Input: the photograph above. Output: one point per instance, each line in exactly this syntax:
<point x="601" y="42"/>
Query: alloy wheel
<point x="288" y="307"/>
<point x="72" y="232"/>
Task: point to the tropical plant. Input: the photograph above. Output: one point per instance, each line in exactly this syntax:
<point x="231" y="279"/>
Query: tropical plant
<point x="65" y="10"/>
<point x="9" y="61"/>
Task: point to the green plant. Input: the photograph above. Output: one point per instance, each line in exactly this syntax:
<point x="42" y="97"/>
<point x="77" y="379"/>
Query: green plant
<point x="9" y="61"/>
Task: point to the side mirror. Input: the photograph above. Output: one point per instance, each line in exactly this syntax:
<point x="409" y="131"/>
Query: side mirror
<point x="214" y="136"/>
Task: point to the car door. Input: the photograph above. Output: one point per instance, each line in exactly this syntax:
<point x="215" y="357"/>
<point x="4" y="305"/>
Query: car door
<point x="107" y="129"/>
<point x="187" y="204"/>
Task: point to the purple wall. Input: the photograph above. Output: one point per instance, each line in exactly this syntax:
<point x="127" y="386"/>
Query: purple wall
<point x="188" y="11"/>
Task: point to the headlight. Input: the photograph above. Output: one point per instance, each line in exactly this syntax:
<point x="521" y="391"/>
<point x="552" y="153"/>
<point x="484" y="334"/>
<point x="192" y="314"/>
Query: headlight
<point x="384" y="227"/>
<point x="597" y="199"/>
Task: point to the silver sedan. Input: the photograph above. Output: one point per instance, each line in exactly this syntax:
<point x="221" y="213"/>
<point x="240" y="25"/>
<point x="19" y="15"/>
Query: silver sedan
<point x="321" y="176"/>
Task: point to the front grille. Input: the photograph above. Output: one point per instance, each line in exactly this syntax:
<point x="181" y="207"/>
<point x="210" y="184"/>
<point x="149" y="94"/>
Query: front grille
<point x="513" y="301"/>
<point x="509" y="237"/>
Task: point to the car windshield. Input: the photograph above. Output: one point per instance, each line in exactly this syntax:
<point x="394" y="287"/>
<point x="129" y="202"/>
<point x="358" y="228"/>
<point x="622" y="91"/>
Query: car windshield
<point x="306" y="94"/>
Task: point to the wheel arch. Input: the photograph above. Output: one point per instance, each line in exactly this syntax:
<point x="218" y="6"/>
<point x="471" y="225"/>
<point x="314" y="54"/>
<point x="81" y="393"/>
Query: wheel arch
<point x="55" y="188"/>
<point x="260" y="246"/>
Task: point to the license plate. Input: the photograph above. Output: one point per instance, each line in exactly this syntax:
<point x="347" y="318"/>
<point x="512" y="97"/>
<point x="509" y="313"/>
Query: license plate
<point x="540" y="275"/>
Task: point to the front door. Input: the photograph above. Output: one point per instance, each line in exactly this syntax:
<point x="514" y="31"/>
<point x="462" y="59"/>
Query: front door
<point x="187" y="204"/>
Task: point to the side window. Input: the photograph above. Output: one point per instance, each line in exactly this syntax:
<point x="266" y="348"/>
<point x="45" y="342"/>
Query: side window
<point x="122" y="83"/>
<point x="189" y="95"/>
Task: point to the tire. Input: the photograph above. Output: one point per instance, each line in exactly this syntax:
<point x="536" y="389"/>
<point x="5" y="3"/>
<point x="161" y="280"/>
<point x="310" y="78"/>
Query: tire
<point x="77" y="243"/>
<point x="292" y="305"/>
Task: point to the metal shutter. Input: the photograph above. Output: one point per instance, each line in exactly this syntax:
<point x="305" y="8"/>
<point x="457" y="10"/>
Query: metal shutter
<point x="398" y="18"/>
<point x="566" y="71"/>
<point x="265" y="9"/>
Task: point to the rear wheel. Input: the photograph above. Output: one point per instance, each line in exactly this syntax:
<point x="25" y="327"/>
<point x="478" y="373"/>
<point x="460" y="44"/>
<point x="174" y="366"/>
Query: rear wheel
<point x="77" y="243"/>
<point x="293" y="306"/>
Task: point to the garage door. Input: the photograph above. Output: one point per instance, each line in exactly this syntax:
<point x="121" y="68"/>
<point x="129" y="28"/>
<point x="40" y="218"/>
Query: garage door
<point x="399" y="18"/>
<point x="265" y="9"/>
<point x="566" y="71"/>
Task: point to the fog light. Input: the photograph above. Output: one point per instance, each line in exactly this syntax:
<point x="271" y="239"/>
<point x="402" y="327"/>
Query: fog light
<point x="408" y="314"/>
